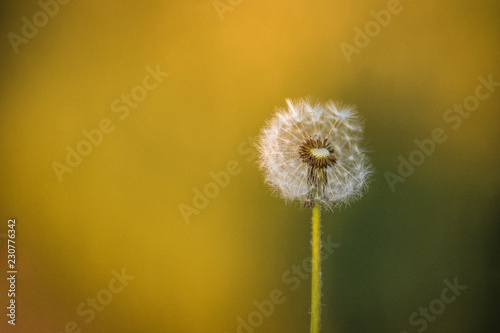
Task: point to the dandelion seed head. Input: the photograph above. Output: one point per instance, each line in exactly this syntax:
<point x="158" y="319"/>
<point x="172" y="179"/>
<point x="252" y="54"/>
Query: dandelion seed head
<point x="311" y="151"/>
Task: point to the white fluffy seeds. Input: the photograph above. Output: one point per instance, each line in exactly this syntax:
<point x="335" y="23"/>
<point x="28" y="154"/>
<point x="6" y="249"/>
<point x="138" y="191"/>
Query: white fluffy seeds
<point x="290" y="176"/>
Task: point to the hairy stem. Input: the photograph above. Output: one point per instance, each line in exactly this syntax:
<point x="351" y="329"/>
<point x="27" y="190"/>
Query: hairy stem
<point x="316" y="268"/>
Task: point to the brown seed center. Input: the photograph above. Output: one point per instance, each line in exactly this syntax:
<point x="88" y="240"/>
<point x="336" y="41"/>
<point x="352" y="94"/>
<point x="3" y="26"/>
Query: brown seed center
<point x="318" y="155"/>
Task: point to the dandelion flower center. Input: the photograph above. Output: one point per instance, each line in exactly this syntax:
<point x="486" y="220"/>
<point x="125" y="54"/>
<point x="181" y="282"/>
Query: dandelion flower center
<point x="318" y="156"/>
<point x="319" y="153"/>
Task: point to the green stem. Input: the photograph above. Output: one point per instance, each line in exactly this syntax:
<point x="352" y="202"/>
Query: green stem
<point x="316" y="268"/>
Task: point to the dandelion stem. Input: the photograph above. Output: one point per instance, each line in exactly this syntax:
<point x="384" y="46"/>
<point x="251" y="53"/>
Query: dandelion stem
<point x="316" y="268"/>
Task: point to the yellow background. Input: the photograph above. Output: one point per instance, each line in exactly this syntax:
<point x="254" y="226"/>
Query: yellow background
<point x="120" y="207"/>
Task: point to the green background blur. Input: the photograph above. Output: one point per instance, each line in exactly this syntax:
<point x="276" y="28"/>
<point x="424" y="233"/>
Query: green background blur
<point x="120" y="207"/>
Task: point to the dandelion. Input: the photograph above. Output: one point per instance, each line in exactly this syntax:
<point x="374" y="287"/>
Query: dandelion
<point x="313" y="153"/>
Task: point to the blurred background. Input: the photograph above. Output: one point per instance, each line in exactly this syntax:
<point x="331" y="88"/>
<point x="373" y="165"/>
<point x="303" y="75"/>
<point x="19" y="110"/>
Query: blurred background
<point x="129" y="204"/>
